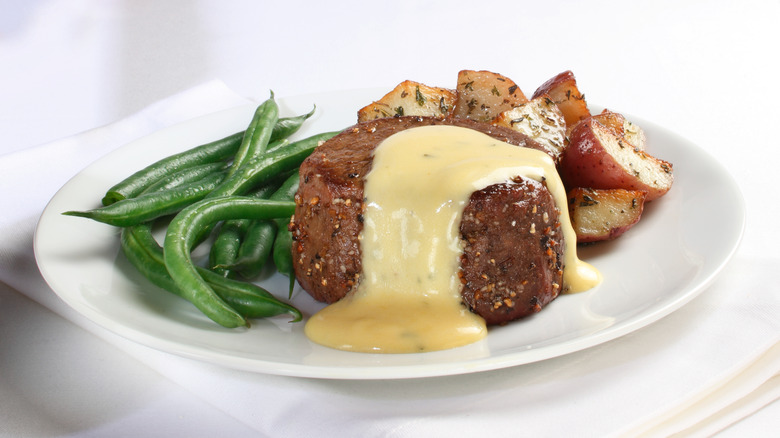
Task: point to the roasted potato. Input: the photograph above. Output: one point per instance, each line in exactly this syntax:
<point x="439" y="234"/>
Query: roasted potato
<point x="601" y="158"/>
<point x="541" y="119"/>
<point x="598" y="215"/>
<point x="623" y="127"/>
<point x="411" y="98"/>
<point x="483" y="95"/>
<point x="598" y="158"/>
<point x="563" y="90"/>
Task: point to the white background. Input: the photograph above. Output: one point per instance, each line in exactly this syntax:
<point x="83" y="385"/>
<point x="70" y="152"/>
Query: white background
<point x="707" y="70"/>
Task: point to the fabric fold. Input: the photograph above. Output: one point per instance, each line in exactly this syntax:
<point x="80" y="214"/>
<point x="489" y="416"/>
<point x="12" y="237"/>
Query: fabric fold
<point x="710" y="410"/>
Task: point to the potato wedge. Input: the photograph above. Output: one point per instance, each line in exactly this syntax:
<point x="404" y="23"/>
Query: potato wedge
<point x="598" y="215"/>
<point x="483" y="95"/>
<point x="563" y="90"/>
<point x="542" y="120"/>
<point x="598" y="158"/>
<point x="631" y="132"/>
<point x="411" y="98"/>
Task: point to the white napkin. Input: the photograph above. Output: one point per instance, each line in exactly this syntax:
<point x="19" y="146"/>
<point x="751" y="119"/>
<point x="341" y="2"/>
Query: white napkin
<point x="696" y="371"/>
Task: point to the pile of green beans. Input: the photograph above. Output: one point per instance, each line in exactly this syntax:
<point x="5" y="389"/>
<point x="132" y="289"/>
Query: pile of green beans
<point x="241" y="185"/>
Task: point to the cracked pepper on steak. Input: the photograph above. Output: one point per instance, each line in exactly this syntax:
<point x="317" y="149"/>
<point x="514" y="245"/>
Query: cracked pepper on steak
<point x="512" y="242"/>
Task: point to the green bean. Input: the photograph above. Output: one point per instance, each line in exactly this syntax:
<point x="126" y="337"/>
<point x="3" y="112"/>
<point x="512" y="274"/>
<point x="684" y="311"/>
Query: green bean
<point x="278" y="144"/>
<point x="255" y="249"/>
<point x="224" y="250"/>
<point x="226" y="247"/>
<point x="257" y="134"/>
<point x="185" y="176"/>
<point x="183" y="231"/>
<point x="287" y="126"/>
<point x="282" y="255"/>
<point x="287" y="190"/>
<point x="265" y="191"/>
<point x="261" y="169"/>
<point x="208" y="153"/>
<point x="259" y="239"/>
<point x="282" y="248"/>
<point x="133" y="211"/>
<point x="251" y="301"/>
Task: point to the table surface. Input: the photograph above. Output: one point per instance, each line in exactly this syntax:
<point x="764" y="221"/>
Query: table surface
<point x="702" y="69"/>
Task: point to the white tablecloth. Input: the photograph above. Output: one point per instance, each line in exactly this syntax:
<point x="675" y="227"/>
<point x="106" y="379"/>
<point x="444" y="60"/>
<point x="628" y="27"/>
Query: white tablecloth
<point x="697" y="68"/>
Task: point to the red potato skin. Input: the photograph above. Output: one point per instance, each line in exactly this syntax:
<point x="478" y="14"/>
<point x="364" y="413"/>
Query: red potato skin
<point x="562" y="89"/>
<point x="604" y="214"/>
<point x="587" y="162"/>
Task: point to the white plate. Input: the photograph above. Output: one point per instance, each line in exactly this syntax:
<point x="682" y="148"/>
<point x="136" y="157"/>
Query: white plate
<point x="682" y="242"/>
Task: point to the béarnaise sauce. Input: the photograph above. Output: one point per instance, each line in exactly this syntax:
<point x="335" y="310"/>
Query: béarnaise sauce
<point x="408" y="299"/>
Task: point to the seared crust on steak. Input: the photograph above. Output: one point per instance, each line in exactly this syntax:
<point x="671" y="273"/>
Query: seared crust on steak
<point x="512" y="258"/>
<point x="328" y="220"/>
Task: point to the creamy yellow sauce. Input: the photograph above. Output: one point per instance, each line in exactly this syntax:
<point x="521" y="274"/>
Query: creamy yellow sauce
<point x="408" y="299"/>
